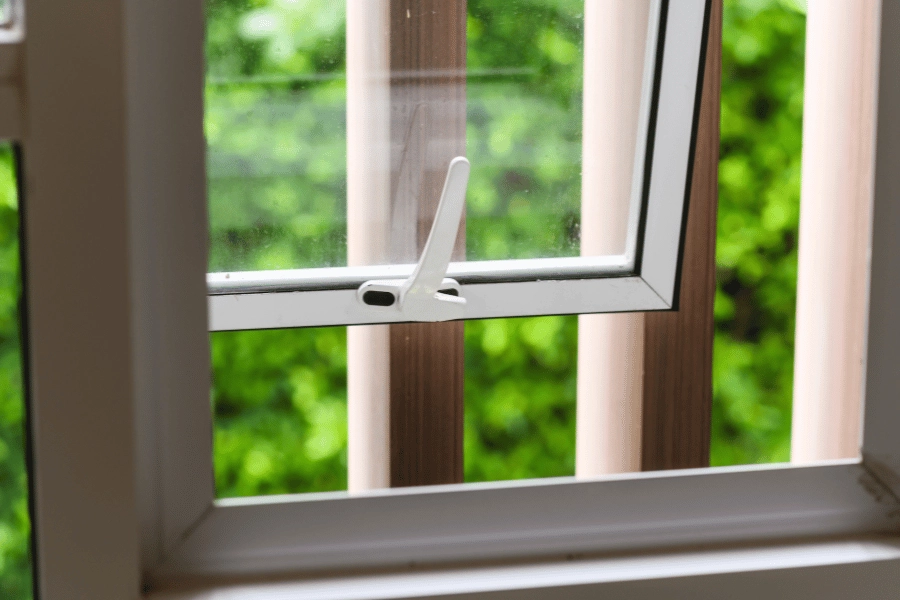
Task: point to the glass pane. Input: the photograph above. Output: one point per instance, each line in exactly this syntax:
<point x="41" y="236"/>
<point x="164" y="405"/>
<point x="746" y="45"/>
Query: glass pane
<point x="524" y="128"/>
<point x="276" y="132"/>
<point x="15" y="528"/>
<point x="328" y="149"/>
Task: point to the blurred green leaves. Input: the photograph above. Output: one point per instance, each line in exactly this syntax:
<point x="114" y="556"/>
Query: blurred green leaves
<point x="275" y="81"/>
<point x="292" y="29"/>
<point x="756" y="253"/>
<point x="15" y="559"/>
<point x="520" y="398"/>
<point x="280" y="405"/>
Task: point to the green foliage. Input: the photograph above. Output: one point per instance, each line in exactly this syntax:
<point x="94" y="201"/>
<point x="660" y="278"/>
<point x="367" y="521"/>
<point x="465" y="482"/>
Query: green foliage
<point x="756" y="247"/>
<point x="520" y="398"/>
<point x="280" y="400"/>
<point x="523" y="135"/>
<point x="274" y="78"/>
<point x="15" y="559"/>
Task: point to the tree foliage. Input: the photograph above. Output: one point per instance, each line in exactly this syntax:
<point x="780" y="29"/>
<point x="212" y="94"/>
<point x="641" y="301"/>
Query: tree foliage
<point x="756" y="239"/>
<point x="15" y="563"/>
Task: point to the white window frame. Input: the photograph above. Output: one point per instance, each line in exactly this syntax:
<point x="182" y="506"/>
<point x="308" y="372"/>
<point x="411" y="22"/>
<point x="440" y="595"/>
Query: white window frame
<point x="643" y="278"/>
<point x="118" y="368"/>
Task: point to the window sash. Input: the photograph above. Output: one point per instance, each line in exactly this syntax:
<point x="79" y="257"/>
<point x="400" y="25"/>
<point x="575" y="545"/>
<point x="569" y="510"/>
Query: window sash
<point x="661" y="187"/>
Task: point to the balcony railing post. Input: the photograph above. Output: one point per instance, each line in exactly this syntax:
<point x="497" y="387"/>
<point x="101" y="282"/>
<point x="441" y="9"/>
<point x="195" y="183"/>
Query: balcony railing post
<point x="835" y="223"/>
<point x="610" y="347"/>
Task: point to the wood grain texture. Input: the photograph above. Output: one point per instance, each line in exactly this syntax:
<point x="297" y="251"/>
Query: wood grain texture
<point x="678" y="345"/>
<point x="426" y="403"/>
<point x="428" y="129"/>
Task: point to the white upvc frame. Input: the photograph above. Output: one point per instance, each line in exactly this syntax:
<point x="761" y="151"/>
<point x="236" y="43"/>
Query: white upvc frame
<point x="644" y="278"/>
<point x="120" y="425"/>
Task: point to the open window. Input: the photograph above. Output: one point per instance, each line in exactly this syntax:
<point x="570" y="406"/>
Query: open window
<point x="117" y="255"/>
<point x="406" y="125"/>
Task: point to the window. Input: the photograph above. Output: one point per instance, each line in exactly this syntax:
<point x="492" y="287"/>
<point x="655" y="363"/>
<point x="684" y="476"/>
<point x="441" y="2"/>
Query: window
<point x="277" y="200"/>
<point x="128" y="275"/>
<point x="640" y="276"/>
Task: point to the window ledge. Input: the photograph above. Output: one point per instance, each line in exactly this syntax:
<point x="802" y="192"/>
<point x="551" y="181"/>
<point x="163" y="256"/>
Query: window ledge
<point x="862" y="567"/>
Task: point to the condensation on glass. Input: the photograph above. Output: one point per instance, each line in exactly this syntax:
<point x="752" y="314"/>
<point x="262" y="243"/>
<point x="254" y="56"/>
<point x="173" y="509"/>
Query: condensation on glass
<point x="288" y="106"/>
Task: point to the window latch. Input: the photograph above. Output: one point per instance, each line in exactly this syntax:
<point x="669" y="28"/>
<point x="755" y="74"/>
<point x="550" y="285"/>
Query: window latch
<point x="427" y="295"/>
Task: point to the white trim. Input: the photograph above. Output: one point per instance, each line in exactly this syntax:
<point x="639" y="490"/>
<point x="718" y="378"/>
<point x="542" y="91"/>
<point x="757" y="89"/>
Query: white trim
<point x="682" y="73"/>
<point x="881" y="416"/>
<point x="483" y="271"/>
<point x="168" y="221"/>
<point x="667" y="160"/>
<point x="831" y="570"/>
<point x="78" y="323"/>
<point x="485" y="301"/>
<point x="619" y="513"/>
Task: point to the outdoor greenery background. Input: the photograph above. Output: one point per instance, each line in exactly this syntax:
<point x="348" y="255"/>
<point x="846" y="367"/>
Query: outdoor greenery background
<point x="275" y="76"/>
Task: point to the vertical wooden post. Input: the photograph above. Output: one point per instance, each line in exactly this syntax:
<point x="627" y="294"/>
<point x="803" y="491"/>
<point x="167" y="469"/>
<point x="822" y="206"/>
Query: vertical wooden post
<point x="368" y="237"/>
<point x="405" y="381"/>
<point x="678" y="345"/>
<point x="835" y="215"/>
<point x="428" y="64"/>
<point x="610" y="347"/>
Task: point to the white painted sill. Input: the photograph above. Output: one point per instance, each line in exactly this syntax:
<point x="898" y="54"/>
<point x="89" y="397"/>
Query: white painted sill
<point x="865" y="567"/>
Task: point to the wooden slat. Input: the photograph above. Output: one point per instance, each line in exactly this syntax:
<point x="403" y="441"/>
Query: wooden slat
<point x="835" y="221"/>
<point x="368" y="238"/>
<point x="608" y="432"/>
<point x="428" y="61"/>
<point x="678" y="345"/>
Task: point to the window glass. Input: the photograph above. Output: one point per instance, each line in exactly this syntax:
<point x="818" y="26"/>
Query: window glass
<point x="280" y="87"/>
<point x="276" y="134"/>
<point x="524" y="124"/>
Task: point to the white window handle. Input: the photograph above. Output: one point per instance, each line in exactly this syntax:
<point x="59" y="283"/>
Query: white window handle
<point x="427" y="295"/>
